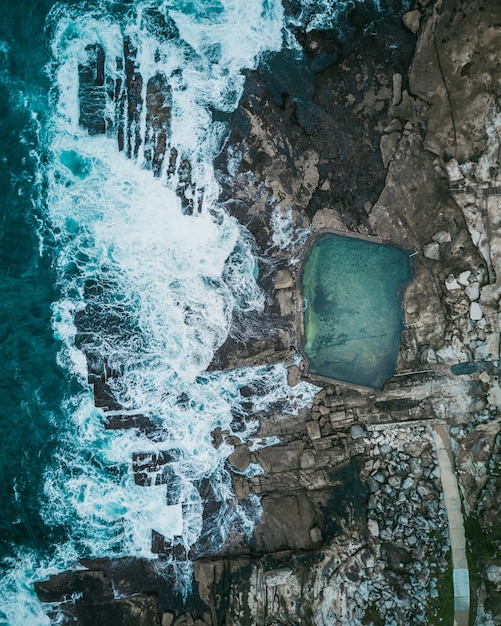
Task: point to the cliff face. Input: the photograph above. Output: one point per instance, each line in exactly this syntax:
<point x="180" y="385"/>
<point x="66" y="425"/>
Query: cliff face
<point x="394" y="133"/>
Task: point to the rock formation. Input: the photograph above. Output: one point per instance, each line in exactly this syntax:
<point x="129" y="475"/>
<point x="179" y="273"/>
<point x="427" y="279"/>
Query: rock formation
<point x="393" y="132"/>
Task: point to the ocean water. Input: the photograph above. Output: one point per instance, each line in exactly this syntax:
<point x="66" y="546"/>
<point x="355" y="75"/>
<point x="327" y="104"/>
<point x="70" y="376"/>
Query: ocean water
<point x="86" y="228"/>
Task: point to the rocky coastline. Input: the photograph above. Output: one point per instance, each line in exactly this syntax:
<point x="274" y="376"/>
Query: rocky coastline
<point x="393" y="133"/>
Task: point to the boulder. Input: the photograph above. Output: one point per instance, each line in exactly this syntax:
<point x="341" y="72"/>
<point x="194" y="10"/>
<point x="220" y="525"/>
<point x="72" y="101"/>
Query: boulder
<point x="432" y="251"/>
<point x="240" y="458"/>
<point x="411" y="20"/>
<point x="475" y="311"/>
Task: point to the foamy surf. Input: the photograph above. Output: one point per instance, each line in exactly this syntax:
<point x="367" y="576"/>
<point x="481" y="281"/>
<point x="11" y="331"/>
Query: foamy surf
<point x="159" y="284"/>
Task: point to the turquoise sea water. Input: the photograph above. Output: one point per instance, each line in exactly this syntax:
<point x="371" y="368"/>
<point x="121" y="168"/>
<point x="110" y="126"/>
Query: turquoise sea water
<point x="74" y="209"/>
<point x="353" y="314"/>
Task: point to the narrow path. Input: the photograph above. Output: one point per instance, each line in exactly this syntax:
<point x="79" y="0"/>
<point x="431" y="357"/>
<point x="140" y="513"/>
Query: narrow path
<point x="461" y="576"/>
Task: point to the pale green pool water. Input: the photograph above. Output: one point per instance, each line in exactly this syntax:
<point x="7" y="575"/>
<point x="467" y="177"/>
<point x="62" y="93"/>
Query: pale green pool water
<point x="352" y="291"/>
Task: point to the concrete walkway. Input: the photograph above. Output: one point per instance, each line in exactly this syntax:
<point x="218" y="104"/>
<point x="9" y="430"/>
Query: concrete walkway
<point x="461" y="576"/>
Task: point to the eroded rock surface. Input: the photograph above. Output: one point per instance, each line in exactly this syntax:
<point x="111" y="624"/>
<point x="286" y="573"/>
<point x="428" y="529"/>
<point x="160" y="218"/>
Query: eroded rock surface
<point x="395" y="134"/>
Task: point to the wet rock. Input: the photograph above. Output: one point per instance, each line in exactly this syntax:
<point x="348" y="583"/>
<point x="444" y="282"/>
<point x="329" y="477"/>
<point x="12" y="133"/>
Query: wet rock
<point x="150" y="468"/>
<point x="92" y="91"/>
<point x="293" y="375"/>
<point x="373" y="527"/>
<point x="285" y="523"/>
<point x="240" y="458"/>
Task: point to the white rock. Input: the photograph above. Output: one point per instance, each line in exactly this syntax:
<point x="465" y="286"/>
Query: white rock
<point x="431" y="356"/>
<point x="453" y="171"/>
<point x="475" y="311"/>
<point x="408" y="482"/>
<point x="484" y="377"/>
<point x="276" y="577"/>
<point x="494" y="574"/>
<point x="473" y="291"/>
<point x="432" y="251"/>
<point x="463" y="277"/>
<point x="442" y="237"/>
<point x="373" y="527"/>
<point x="451" y="283"/>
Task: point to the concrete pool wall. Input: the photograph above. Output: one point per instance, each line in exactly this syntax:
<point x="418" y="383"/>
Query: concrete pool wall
<point x="351" y="314"/>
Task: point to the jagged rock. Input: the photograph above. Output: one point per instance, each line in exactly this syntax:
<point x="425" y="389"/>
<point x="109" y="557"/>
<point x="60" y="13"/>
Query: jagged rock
<point x="388" y="146"/>
<point x="463" y="278"/>
<point x="453" y="172"/>
<point x="473" y="291"/>
<point x="432" y="251"/>
<point x="327" y="218"/>
<point x="493" y="573"/>
<point x="293" y="375"/>
<point x="451" y="283"/>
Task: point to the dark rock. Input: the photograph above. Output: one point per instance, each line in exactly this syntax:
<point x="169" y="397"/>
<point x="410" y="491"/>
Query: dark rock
<point x="240" y="457"/>
<point x="285" y="523"/>
<point x="150" y="468"/>
<point x="92" y="91"/>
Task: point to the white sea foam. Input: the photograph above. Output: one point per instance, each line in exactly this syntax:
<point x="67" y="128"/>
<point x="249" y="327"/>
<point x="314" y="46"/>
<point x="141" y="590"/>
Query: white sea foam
<point x="175" y="279"/>
<point x="171" y="283"/>
<point x="286" y="234"/>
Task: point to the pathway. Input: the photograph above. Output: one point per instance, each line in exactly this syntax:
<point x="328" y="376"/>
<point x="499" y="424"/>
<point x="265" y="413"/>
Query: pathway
<point x="452" y="499"/>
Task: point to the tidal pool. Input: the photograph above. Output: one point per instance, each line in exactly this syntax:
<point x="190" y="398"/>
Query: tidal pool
<point x="352" y="292"/>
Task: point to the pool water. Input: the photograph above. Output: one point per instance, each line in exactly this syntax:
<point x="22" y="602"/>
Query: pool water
<point x="352" y="292"/>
